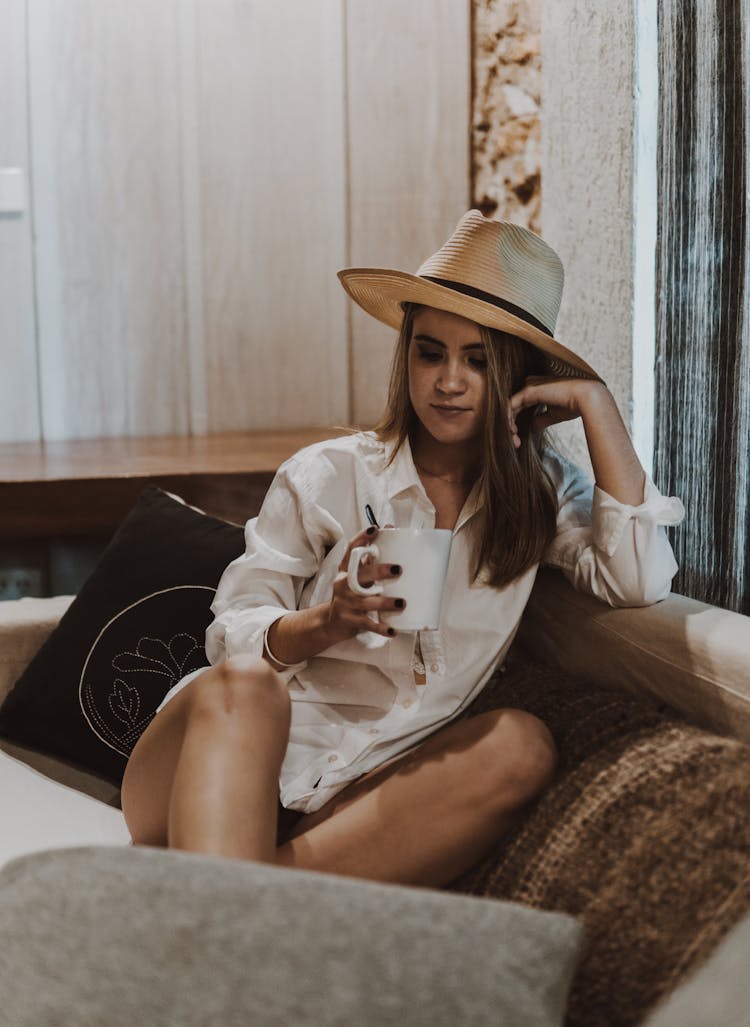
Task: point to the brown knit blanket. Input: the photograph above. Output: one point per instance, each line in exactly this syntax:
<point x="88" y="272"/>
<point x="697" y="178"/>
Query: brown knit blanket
<point x="644" y="837"/>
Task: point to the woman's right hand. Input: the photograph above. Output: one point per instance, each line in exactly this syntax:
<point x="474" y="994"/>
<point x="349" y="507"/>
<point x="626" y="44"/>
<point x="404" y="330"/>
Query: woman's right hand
<point x="349" y="613"/>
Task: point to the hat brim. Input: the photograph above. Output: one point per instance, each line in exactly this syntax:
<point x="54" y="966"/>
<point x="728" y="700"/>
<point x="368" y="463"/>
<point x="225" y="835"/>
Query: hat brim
<point x="381" y="291"/>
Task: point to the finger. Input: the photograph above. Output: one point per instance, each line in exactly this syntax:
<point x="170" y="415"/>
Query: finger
<point x="554" y="415"/>
<point x="529" y="393"/>
<point x="384" y="571"/>
<point x="367" y="624"/>
<point x="522" y="399"/>
<point x="365" y="575"/>
<point x="517" y="402"/>
<point x="365" y="537"/>
<point x="365" y="578"/>
<point x="343" y="593"/>
<point x="387" y="604"/>
<point x="358" y="621"/>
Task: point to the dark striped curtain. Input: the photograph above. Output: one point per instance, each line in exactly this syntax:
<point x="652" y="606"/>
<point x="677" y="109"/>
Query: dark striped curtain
<point x="703" y="293"/>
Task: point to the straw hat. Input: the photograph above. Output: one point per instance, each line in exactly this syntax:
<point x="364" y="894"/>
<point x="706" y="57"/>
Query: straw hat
<point x="492" y="272"/>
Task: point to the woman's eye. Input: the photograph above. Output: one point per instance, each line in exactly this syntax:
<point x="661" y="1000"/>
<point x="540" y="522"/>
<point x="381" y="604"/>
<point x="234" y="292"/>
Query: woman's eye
<point x="429" y="355"/>
<point x="478" y="363"/>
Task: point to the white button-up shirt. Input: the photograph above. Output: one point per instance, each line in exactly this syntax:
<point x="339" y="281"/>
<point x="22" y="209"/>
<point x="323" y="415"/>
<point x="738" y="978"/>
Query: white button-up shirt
<point x="356" y="705"/>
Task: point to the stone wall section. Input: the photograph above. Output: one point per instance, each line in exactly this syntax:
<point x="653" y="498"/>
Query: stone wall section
<point x="506" y="110"/>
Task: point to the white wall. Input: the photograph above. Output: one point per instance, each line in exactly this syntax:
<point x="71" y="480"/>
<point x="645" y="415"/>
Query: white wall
<point x="591" y="121"/>
<point x="198" y="171"/>
<point x="19" y="400"/>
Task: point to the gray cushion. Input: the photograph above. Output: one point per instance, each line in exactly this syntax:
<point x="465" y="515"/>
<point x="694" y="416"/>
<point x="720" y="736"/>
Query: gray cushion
<point x="124" y="936"/>
<point x="719" y="993"/>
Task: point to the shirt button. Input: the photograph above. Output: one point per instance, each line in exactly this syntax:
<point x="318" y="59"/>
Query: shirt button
<point x="406" y="703"/>
<point x="332" y="759"/>
<point x="373" y="731"/>
<point x="434" y="668"/>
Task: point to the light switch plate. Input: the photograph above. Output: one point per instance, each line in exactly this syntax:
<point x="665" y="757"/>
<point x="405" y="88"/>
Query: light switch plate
<point x="12" y="198"/>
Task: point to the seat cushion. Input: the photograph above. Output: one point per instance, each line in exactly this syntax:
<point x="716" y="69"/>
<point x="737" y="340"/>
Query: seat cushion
<point x="37" y="813"/>
<point x="148" y="936"/>
<point x="644" y="835"/>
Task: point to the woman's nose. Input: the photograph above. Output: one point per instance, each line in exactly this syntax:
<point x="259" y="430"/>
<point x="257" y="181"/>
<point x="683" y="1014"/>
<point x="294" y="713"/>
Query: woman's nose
<point x="451" y="379"/>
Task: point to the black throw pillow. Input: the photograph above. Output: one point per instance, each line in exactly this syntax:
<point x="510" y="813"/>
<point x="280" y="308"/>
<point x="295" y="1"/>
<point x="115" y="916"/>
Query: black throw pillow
<point x="136" y="627"/>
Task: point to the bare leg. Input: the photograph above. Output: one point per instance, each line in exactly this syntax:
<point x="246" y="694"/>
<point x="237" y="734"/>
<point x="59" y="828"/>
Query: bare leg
<point x="434" y="814"/>
<point x="204" y="775"/>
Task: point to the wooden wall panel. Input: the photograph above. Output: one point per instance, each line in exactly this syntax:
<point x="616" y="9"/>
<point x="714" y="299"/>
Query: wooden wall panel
<point x="272" y="190"/>
<point x="105" y="129"/>
<point x="200" y="171"/>
<point x="19" y="408"/>
<point x="409" y="100"/>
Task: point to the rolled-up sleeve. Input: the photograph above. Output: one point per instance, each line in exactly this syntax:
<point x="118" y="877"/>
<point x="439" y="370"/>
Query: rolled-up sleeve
<point x="616" y="552"/>
<point x="283" y="549"/>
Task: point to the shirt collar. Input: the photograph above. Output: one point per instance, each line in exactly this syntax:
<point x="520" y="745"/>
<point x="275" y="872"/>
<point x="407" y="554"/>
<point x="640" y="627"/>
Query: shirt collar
<point x="401" y="473"/>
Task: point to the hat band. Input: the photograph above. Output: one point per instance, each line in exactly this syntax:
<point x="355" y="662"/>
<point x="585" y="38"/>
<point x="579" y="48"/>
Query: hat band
<point x="488" y="297"/>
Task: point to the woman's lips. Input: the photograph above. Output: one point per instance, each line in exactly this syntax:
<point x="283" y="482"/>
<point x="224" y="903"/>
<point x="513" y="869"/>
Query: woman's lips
<point x="450" y="412"/>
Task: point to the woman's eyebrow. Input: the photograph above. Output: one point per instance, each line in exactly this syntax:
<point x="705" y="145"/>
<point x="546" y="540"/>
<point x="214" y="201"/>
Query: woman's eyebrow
<point x="422" y="337"/>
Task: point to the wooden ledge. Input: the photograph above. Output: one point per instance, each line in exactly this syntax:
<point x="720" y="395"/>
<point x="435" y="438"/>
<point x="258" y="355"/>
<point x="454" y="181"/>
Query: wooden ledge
<point x="86" y="486"/>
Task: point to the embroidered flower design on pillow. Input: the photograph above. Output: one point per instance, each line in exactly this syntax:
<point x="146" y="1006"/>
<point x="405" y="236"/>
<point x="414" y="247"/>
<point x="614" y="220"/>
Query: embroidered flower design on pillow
<point x="138" y="656"/>
<point x="169" y="661"/>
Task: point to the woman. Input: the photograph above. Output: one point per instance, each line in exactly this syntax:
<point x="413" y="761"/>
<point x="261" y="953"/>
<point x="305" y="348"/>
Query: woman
<point x="313" y="700"/>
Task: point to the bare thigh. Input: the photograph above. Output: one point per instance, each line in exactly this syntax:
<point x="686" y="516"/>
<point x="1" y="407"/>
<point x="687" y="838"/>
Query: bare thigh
<point x="149" y="777"/>
<point x="147" y="782"/>
<point x="462" y="736"/>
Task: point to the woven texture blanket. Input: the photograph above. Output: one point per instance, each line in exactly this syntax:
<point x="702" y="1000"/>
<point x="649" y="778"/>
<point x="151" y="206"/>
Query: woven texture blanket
<point x="644" y="836"/>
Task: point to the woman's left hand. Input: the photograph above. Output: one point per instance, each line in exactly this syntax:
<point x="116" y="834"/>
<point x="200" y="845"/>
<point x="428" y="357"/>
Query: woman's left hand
<point x="562" y="400"/>
<point x="617" y="469"/>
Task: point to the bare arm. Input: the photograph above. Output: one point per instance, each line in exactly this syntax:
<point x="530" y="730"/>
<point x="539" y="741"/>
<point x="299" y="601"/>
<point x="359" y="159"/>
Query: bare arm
<point x="617" y="469"/>
<point x="304" y="633"/>
<point x="298" y="636"/>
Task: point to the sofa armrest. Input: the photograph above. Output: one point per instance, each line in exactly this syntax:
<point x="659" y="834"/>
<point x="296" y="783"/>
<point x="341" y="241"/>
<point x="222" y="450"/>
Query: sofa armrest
<point x="24" y="625"/>
<point x="690" y="655"/>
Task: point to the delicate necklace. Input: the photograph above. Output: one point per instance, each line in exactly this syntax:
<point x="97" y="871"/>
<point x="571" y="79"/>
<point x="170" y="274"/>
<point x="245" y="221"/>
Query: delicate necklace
<point x="442" y="477"/>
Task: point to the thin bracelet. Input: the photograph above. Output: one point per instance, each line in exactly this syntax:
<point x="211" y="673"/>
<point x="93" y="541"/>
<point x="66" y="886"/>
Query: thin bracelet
<point x="268" y="649"/>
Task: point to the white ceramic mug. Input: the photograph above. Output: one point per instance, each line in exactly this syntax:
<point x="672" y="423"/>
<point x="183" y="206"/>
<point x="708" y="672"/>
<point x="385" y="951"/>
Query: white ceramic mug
<point x="423" y="556"/>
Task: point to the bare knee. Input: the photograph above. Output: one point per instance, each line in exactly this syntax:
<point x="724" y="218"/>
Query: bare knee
<point x="216" y="700"/>
<point x="519" y="756"/>
<point x="242" y="684"/>
<point x="538" y="757"/>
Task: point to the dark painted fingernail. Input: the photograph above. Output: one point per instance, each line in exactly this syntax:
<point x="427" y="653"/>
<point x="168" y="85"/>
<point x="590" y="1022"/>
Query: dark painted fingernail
<point x="395" y="569"/>
<point x="400" y="604"/>
<point x="372" y="530"/>
<point x="391" y="632"/>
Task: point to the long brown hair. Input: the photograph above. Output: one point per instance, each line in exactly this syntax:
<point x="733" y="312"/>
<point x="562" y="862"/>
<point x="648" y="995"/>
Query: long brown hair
<point x="518" y="503"/>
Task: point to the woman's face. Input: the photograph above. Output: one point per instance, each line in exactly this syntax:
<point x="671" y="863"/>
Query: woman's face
<point x="447" y="375"/>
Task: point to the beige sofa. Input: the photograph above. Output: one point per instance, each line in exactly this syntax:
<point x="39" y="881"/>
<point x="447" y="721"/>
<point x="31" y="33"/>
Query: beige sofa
<point x="691" y="656"/>
<point x="44" y="803"/>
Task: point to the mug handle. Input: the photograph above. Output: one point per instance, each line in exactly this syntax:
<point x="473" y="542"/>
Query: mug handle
<point x="352" y="571"/>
